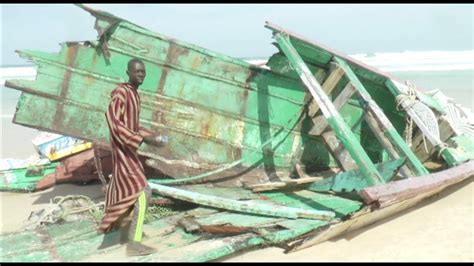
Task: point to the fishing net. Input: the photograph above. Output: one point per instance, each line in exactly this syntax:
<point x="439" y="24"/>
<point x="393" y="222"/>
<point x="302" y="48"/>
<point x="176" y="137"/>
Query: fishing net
<point x="79" y="207"/>
<point x="459" y="119"/>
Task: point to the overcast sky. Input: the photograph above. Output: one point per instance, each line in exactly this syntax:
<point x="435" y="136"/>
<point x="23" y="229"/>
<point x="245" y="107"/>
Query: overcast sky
<point x="238" y="29"/>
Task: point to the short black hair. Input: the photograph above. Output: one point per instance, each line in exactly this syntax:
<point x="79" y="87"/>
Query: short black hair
<point x="133" y="61"/>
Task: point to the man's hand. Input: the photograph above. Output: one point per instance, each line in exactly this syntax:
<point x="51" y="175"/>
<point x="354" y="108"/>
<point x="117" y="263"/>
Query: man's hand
<point x="156" y="140"/>
<point x="145" y="132"/>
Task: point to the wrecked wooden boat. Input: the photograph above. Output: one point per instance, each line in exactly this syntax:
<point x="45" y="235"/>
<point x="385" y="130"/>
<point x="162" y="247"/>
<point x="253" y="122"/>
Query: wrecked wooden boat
<point x="294" y="153"/>
<point x="24" y="175"/>
<point x="35" y="175"/>
<point x="60" y="159"/>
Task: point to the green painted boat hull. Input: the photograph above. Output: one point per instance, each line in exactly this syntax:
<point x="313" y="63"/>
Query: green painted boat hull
<point x="25" y="179"/>
<point x="216" y="109"/>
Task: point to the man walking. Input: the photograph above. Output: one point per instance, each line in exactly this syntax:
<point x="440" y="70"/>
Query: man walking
<point x="128" y="194"/>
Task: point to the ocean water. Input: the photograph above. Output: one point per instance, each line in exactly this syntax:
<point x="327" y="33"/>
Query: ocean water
<point x="452" y="72"/>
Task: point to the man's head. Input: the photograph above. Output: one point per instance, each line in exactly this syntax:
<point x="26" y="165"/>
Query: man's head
<point x="136" y="72"/>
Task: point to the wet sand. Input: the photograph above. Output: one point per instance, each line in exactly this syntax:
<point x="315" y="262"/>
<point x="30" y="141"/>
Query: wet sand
<point x="438" y="229"/>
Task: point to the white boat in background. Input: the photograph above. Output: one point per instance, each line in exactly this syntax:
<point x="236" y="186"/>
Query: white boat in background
<point x="55" y="147"/>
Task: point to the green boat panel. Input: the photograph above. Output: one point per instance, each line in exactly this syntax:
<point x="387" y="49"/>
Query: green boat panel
<point x="335" y="121"/>
<point x="307" y="200"/>
<point x="62" y="240"/>
<point x="25" y="179"/>
<point x="250" y="104"/>
<point x="176" y="103"/>
<point x="353" y="180"/>
<point x="389" y="131"/>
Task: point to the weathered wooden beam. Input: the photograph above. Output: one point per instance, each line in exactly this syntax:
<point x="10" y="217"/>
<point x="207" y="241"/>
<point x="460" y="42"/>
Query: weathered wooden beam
<point x="79" y="167"/>
<point x="320" y="122"/>
<point x="354" y="180"/>
<point x="299" y="171"/>
<point x="241" y="206"/>
<point x="188" y="224"/>
<point x="379" y="134"/>
<point x="388" y="194"/>
<point x="388" y="130"/>
<point x="336" y="122"/>
<point x="328" y="86"/>
<point x="320" y="75"/>
<point x="284" y="184"/>
<point x="338" y="151"/>
<point x="342" y="182"/>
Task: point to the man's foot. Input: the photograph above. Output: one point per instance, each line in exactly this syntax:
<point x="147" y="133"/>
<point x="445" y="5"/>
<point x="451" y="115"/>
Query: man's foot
<point x="124" y="232"/>
<point x="138" y="249"/>
<point x="124" y="237"/>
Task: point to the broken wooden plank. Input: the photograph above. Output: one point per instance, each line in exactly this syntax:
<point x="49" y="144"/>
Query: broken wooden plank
<point x="298" y="152"/>
<point x="328" y="86"/>
<point x="388" y="130"/>
<point x="235" y="193"/>
<point x="284" y="184"/>
<point x="378" y="131"/>
<point x="267" y="186"/>
<point x="282" y="230"/>
<point x="338" y="151"/>
<point x="354" y="180"/>
<point x="205" y="250"/>
<point x="362" y="218"/>
<point x="299" y="171"/>
<point x="320" y="122"/>
<point x="189" y="225"/>
<point x="25" y="178"/>
<point x="228" y="229"/>
<point x="247" y="207"/>
<point x="78" y="168"/>
<point x="391" y="193"/>
<point x="176" y="245"/>
<point x="335" y="120"/>
<point x="277" y="230"/>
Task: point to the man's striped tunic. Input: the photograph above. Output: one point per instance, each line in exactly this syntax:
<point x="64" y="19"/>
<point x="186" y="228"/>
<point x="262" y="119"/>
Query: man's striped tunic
<point x="128" y="178"/>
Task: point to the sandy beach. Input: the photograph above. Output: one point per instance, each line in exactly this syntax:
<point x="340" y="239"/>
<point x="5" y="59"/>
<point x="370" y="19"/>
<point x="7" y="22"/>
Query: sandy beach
<point x="273" y="93"/>
<point x="439" y="229"/>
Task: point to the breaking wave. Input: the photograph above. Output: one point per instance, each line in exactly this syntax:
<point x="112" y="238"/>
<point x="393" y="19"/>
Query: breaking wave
<point x="17" y="72"/>
<point x="411" y="61"/>
<point x="7" y="116"/>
